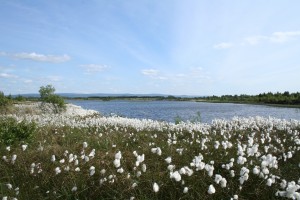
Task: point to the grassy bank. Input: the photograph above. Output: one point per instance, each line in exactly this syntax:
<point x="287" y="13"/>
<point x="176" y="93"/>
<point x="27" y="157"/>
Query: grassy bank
<point x="94" y="157"/>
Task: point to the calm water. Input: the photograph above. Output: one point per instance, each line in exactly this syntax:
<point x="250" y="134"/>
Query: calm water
<point x="169" y="110"/>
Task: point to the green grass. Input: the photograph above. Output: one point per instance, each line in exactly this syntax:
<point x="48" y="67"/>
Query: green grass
<point x="108" y="140"/>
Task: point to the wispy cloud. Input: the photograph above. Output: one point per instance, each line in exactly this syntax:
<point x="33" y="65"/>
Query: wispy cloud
<point x="276" y="37"/>
<point x="90" y="68"/>
<point x="150" y="72"/>
<point x="5" y="75"/>
<point x="27" y="81"/>
<point x="223" y="45"/>
<point x="54" y="78"/>
<point x="154" y="74"/>
<point x="38" y="57"/>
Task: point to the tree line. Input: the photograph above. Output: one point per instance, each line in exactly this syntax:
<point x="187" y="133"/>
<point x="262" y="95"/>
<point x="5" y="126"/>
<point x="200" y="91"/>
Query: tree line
<point x="267" y="98"/>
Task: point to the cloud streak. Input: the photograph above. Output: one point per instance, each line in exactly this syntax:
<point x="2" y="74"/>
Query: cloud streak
<point x="5" y="75"/>
<point x="223" y="45"/>
<point x="37" y="57"/>
<point x="153" y="73"/>
<point x="91" y="68"/>
<point x="276" y="37"/>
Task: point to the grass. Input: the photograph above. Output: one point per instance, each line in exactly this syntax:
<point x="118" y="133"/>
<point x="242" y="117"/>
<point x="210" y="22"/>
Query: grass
<point x="33" y="172"/>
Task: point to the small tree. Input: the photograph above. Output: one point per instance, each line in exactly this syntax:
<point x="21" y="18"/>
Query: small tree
<point x="5" y="103"/>
<point x="48" y="96"/>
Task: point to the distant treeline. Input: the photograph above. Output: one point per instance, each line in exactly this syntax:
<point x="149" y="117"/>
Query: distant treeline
<point x="278" y="98"/>
<point x="267" y="98"/>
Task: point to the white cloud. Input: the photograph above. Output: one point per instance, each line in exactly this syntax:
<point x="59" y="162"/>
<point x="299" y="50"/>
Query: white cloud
<point x="37" y="57"/>
<point x="5" y="75"/>
<point x="54" y="78"/>
<point x="27" y="81"/>
<point x="154" y="74"/>
<point x="284" y="36"/>
<point x="150" y="72"/>
<point x="223" y="45"/>
<point x="276" y="37"/>
<point x="90" y="68"/>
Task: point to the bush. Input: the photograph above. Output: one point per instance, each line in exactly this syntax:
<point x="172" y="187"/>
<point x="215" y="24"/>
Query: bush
<point x="48" y="96"/>
<point x="12" y="131"/>
<point x="5" y="104"/>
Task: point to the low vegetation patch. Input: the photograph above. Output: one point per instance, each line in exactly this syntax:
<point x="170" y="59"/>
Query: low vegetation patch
<point x="119" y="158"/>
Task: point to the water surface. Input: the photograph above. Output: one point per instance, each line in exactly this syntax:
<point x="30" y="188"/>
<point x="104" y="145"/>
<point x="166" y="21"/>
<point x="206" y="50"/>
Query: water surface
<point x="186" y="110"/>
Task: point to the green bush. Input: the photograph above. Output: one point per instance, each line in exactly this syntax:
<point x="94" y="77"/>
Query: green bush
<point x="12" y="131"/>
<point x="5" y="104"/>
<point x="48" y="96"/>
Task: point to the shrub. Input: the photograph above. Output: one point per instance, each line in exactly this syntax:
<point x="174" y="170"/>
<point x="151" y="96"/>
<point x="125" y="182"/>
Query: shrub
<point x="48" y="96"/>
<point x="12" y="131"/>
<point x="5" y="104"/>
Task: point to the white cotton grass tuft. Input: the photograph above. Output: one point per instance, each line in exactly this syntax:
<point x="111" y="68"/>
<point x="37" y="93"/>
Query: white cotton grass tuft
<point x="53" y="158"/>
<point x="24" y="147"/>
<point x="211" y="189"/>
<point x="168" y="159"/>
<point x="13" y="158"/>
<point x="84" y="145"/>
<point x="185" y="190"/>
<point x="57" y="170"/>
<point x="175" y="175"/>
<point x="74" y="189"/>
<point x="92" y="170"/>
<point x="155" y="187"/>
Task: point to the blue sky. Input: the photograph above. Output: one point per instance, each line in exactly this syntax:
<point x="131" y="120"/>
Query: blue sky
<point x="142" y="47"/>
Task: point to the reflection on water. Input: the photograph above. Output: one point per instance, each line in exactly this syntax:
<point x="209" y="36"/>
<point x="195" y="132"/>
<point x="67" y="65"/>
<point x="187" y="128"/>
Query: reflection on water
<point x="169" y="110"/>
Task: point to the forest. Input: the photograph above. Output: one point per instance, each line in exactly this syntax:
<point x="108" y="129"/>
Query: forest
<point x="285" y="98"/>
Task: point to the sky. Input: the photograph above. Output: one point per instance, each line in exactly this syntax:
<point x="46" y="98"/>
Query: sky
<point x="175" y="47"/>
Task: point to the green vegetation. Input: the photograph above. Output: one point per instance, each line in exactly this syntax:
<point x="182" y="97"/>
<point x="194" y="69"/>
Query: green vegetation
<point x="285" y="98"/>
<point x="5" y="104"/>
<point x="12" y="131"/>
<point x="48" y="96"/>
<point x="78" y="163"/>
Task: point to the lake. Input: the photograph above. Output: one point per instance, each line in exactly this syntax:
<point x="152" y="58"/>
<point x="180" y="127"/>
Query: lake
<point x="186" y="110"/>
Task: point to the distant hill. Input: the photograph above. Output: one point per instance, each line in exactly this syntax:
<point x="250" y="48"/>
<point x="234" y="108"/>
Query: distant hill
<point x="80" y="95"/>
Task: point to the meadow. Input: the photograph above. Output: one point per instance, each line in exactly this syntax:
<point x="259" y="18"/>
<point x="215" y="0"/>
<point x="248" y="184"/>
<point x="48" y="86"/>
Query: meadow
<point x="95" y="157"/>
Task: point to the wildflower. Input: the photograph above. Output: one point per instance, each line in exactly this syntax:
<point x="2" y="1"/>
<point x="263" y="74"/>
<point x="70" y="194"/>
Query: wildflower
<point x="269" y="182"/>
<point x="102" y="171"/>
<point x="223" y="183"/>
<point x="120" y="170"/>
<point x="62" y="161"/>
<point x="13" y="159"/>
<point x="9" y="186"/>
<point x="168" y="160"/>
<point x="118" y="155"/>
<point x="156" y="150"/>
<point x="74" y="189"/>
<point x="77" y="169"/>
<point x="134" y="185"/>
<point x="92" y="154"/>
<point x="117" y="163"/>
<point x="57" y="170"/>
<point x="53" y="158"/>
<point x="92" y="170"/>
<point x="175" y="175"/>
<point x="144" y="168"/>
<point x="5" y="158"/>
<point x="24" y="146"/>
<point x="211" y="189"/>
<point x="85" y="145"/>
<point x="155" y="187"/>
<point x="8" y="148"/>
<point x="185" y="190"/>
